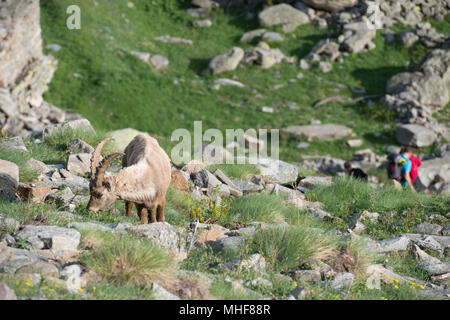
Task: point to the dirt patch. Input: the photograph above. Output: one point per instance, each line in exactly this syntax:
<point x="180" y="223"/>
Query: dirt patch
<point x="39" y="221"/>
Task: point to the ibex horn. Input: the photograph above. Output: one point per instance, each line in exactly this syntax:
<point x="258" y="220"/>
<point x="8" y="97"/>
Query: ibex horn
<point x="95" y="159"/>
<point x="103" y="166"/>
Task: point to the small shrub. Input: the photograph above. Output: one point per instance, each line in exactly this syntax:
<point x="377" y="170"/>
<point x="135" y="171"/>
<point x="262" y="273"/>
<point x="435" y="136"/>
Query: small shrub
<point x="125" y="260"/>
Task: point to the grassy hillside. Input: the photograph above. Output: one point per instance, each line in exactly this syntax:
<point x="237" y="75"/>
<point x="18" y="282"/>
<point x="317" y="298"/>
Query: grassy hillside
<point x="98" y="77"/>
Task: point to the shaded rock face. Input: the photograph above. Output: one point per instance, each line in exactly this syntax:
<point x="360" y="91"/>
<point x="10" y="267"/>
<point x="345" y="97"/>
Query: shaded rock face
<point x="417" y="135"/>
<point x="433" y="173"/>
<point x="331" y="5"/>
<point x="22" y="40"/>
<point x="283" y="14"/>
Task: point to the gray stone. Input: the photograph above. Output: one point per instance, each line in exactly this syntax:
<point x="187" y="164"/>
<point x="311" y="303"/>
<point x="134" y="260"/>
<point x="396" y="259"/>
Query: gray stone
<point x="159" y="62"/>
<point x="323" y="132"/>
<point x="79" y="146"/>
<point x="275" y="171"/>
<point x="417" y="135"/>
<point x="14" y="144"/>
<point x="50" y="237"/>
<point x="272" y="37"/>
<point x="436" y="269"/>
<point x="324" y="66"/>
<point x="284" y="15"/>
<point x="79" y="164"/>
<point x="311" y="182"/>
<point x="159" y="293"/>
<point x="164" y="235"/>
<point x="226" y="61"/>
<point x="91" y="226"/>
<point x="342" y="281"/>
<point x="251" y="35"/>
<point x="11" y="259"/>
<point x="331" y="5"/>
<point x="428" y="228"/>
<point x="228" y="244"/>
<point x="422" y="256"/>
<point x="72" y="275"/>
<point x="360" y="37"/>
<point x="298" y="293"/>
<point x="9" y="179"/>
<point x="247" y="186"/>
<point x="432" y="170"/>
<point x="306" y="275"/>
<point x="143" y="56"/>
<point x="37" y="166"/>
<point x="6" y="293"/>
<point x="254" y="262"/>
<point x="304" y="64"/>
<point x="73" y="125"/>
<point x="174" y="40"/>
<point x="408" y="39"/>
<point x="42" y="267"/>
<point x="202" y="23"/>
<point x="9" y="224"/>
<point x="396" y="244"/>
<point x="7" y="104"/>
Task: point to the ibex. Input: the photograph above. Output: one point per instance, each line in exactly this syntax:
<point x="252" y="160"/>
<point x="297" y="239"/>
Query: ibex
<point x="143" y="179"/>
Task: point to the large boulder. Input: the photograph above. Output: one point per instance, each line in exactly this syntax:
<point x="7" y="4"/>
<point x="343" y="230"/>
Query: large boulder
<point x="432" y="171"/>
<point x="9" y="179"/>
<point x="79" y="164"/>
<point x="414" y="134"/>
<point x="227" y="61"/>
<point x="331" y="5"/>
<point x="283" y="14"/>
<point x="319" y="132"/>
<point x="359" y="37"/>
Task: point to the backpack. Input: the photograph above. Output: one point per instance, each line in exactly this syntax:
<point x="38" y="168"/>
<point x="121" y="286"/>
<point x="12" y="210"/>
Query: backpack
<point x="396" y="163"/>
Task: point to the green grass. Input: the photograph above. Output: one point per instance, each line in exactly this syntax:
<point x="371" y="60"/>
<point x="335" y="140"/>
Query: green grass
<point x="223" y="290"/>
<point x="287" y="248"/>
<point x="236" y="171"/>
<point x="126" y="260"/>
<point x="346" y="197"/>
<point x="116" y="90"/>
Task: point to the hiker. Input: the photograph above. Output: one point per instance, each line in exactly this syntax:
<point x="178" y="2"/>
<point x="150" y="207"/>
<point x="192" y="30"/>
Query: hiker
<point x="415" y="164"/>
<point x="399" y="169"/>
<point x="355" y="172"/>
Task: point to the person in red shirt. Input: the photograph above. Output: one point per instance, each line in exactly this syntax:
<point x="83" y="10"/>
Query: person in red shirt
<point x="415" y="164"/>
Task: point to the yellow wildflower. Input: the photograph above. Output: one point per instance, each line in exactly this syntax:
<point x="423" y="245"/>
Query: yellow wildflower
<point x="421" y="287"/>
<point x="383" y="298"/>
<point x="412" y="283"/>
<point x="51" y="290"/>
<point x="396" y="286"/>
<point x="294" y="283"/>
<point x="94" y="288"/>
<point x="27" y="283"/>
<point x="81" y="290"/>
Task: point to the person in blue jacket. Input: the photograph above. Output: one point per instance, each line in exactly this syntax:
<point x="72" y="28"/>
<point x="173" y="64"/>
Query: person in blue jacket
<point x="406" y="153"/>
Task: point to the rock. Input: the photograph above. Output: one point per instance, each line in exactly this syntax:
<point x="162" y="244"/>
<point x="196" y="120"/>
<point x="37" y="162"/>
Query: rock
<point x="164" y="235"/>
<point x="228" y="244"/>
<point x="263" y="56"/>
<point x="42" y="267"/>
<point x="298" y="293"/>
<point x="33" y="191"/>
<point x="342" y="281"/>
<point x="58" y="240"/>
<point x="446" y="231"/>
<point x="354" y="143"/>
<point x="417" y="135"/>
<point x="325" y="66"/>
<point x="436" y="269"/>
<point x="428" y="228"/>
<point x="422" y="256"/>
<point x="304" y="64"/>
<point x="9" y="225"/>
<point x="251" y="35"/>
<point x="331" y="5"/>
<point x="408" y="39"/>
<point x="6" y="293"/>
<point x="396" y="244"/>
<point x="9" y="179"/>
<point x="254" y="262"/>
<point x="431" y="244"/>
<point x="306" y="275"/>
<point x="283" y="14"/>
<point x="37" y="166"/>
<point x="73" y="125"/>
<point x="79" y="164"/>
<point x="91" y="226"/>
<point x="159" y="62"/>
<point x="12" y="259"/>
<point x="14" y="144"/>
<point x="159" y="293"/>
<point x="174" y="40"/>
<point x="273" y="37"/>
<point x="205" y="4"/>
<point x="143" y="56"/>
<point x="7" y="103"/>
<point x="202" y="23"/>
<point x="246" y="186"/>
<point x="323" y="132"/>
<point x="387" y="276"/>
<point x="259" y="282"/>
<point x="54" y="47"/>
<point x="32" y="278"/>
<point x="311" y="182"/>
<point x="79" y="146"/>
<point x="227" y="82"/>
<point x="372" y="216"/>
<point x="72" y="275"/>
<point x="432" y="171"/>
<point x="360" y="37"/>
<point x="226" y="61"/>
<point x="275" y="171"/>
<point x="193" y="166"/>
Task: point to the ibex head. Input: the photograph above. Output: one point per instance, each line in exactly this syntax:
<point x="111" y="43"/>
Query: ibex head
<point x="101" y="188"/>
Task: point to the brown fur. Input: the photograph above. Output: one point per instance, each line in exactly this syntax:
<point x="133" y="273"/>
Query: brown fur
<point x="144" y="180"/>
